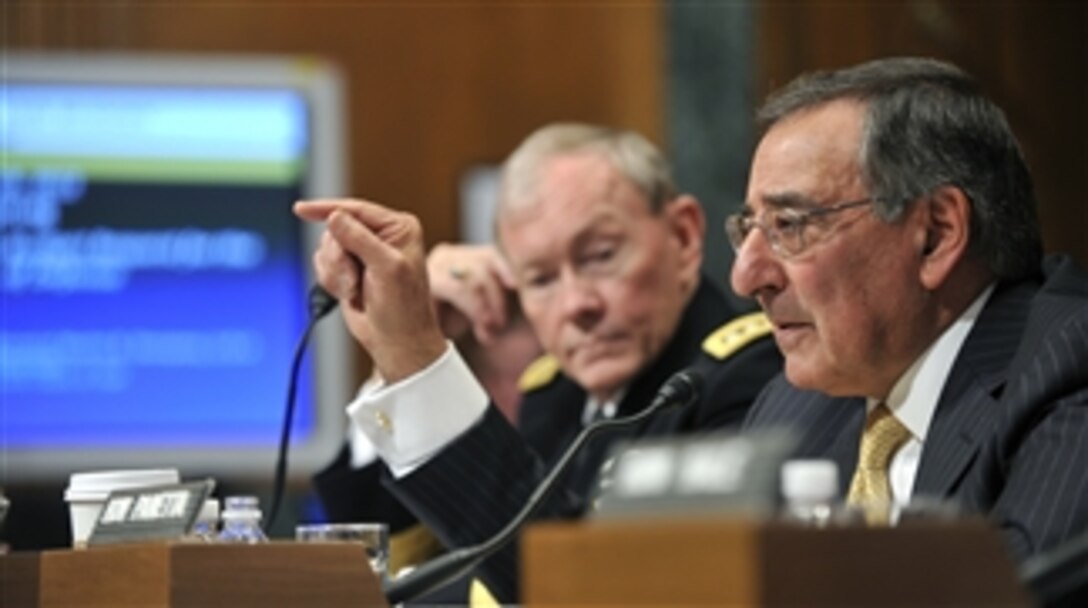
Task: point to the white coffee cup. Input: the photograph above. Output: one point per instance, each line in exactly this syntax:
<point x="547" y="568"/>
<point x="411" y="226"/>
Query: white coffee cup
<point x="87" y="492"/>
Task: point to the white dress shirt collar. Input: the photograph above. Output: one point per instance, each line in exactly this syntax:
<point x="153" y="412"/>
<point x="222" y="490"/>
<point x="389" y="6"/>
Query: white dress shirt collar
<point x="913" y="399"/>
<point x="607" y="407"/>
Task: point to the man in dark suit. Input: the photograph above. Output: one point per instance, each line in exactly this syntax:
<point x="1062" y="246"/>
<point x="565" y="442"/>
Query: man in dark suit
<point x="350" y="489"/>
<point x="604" y="256"/>
<point x="890" y="235"/>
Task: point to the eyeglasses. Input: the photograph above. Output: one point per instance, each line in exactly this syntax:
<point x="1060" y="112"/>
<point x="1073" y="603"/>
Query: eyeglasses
<point x="785" y="229"/>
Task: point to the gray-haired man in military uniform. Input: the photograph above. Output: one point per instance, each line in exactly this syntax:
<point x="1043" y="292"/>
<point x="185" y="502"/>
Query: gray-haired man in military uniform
<point x="604" y="256"/>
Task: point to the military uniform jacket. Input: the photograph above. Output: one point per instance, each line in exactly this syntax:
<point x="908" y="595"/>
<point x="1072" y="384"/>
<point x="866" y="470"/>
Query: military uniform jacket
<point x="1009" y="437"/>
<point x="479" y="482"/>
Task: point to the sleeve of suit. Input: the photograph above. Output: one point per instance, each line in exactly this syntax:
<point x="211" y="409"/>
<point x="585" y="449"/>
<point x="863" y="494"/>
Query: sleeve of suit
<point x="351" y="489"/>
<point x="402" y="420"/>
<point x="355" y="494"/>
<point x="485" y="476"/>
<point x="1045" y="497"/>
<point x="481" y="481"/>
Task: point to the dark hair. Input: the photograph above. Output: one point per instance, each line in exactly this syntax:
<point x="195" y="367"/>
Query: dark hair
<point x="927" y="125"/>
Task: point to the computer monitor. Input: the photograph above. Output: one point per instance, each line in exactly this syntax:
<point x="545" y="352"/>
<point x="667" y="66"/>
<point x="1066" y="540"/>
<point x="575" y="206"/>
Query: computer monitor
<point x="154" y="281"/>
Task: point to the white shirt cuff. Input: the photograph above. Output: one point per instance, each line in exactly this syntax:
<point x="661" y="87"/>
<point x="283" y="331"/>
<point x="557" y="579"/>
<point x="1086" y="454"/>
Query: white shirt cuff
<point x="362" y="451"/>
<point x="411" y="421"/>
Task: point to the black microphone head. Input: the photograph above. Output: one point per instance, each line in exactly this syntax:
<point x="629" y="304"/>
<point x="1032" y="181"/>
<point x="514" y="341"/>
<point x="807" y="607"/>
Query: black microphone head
<point x="682" y="388"/>
<point x="321" y="302"/>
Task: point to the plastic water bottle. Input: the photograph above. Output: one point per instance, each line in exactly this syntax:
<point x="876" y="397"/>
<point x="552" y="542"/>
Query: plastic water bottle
<point x="241" y="521"/>
<point x="810" y="489"/>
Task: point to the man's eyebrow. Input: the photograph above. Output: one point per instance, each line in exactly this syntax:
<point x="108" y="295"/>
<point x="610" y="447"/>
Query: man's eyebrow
<point x="789" y="200"/>
<point x="605" y="226"/>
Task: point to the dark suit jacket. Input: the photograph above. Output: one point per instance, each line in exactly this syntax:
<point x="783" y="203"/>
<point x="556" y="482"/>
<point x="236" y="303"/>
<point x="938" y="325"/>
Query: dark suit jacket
<point x="1009" y="437"/>
<point x="479" y="482"/>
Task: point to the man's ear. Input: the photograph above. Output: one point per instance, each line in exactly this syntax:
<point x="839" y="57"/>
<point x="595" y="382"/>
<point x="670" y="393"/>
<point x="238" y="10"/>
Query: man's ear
<point x="687" y="223"/>
<point x="947" y="231"/>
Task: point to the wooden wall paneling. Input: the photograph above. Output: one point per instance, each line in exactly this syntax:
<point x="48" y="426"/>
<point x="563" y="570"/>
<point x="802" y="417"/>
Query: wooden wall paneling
<point x="433" y="87"/>
<point x="1032" y="57"/>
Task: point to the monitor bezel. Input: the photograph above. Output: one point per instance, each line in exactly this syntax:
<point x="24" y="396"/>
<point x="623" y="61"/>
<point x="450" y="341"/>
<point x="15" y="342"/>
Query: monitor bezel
<point x="331" y="349"/>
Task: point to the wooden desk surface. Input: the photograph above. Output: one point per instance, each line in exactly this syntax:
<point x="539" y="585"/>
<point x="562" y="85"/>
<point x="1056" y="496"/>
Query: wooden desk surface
<point x="192" y="575"/>
<point x="742" y="563"/>
<point x="19" y="580"/>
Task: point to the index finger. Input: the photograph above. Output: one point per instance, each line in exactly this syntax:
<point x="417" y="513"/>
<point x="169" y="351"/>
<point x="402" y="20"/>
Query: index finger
<point x="502" y="269"/>
<point x="319" y="210"/>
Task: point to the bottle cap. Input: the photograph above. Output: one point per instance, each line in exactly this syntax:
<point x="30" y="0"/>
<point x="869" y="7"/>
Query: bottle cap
<point x="240" y="507"/>
<point x="810" y="480"/>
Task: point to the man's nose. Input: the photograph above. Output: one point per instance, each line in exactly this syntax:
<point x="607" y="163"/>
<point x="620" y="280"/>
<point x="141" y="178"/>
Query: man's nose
<point x="756" y="268"/>
<point x="581" y="299"/>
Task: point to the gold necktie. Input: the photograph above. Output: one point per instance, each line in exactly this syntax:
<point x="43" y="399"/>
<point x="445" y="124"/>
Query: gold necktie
<point x="869" y="489"/>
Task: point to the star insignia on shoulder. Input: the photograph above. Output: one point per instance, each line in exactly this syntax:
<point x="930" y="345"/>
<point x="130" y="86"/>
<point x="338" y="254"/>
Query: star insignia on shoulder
<point x="736" y="334"/>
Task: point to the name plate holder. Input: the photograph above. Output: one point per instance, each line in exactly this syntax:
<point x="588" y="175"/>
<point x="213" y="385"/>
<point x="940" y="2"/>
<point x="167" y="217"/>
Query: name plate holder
<point x="712" y="474"/>
<point x="165" y="512"/>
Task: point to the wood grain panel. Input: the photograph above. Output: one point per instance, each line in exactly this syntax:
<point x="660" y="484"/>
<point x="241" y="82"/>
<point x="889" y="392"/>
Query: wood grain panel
<point x="706" y="561"/>
<point x="200" y="576"/>
<point x="433" y="87"/>
<point x="1032" y="57"/>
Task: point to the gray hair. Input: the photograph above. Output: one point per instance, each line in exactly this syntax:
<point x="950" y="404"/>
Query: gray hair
<point x="630" y="153"/>
<point x="927" y="125"/>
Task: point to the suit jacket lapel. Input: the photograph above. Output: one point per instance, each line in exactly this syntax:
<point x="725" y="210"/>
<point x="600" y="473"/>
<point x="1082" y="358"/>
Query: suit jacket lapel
<point x="823" y="426"/>
<point x="953" y="441"/>
<point x="834" y="432"/>
<point x="966" y="410"/>
<point x="844" y="448"/>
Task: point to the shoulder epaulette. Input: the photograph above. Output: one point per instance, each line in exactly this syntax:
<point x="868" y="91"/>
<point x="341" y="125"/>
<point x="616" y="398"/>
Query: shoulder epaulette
<point x="736" y="334"/>
<point x="539" y="373"/>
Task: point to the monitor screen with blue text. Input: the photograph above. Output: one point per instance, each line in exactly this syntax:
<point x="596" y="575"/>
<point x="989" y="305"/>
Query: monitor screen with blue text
<point x="153" y="278"/>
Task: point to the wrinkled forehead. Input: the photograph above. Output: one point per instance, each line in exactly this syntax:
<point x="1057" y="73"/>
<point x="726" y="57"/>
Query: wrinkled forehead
<point x="573" y="199"/>
<point x="809" y="157"/>
<point x="568" y="183"/>
<point x="544" y="240"/>
<point x="586" y="173"/>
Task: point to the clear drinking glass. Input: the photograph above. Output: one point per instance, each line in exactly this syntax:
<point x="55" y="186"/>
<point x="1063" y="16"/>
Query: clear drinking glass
<point x="374" y="537"/>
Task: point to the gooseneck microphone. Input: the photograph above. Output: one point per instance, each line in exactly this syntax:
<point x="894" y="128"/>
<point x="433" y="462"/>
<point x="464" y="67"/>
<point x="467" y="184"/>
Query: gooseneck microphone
<point x="681" y="388"/>
<point x="321" y="303"/>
